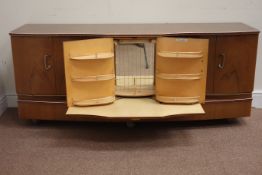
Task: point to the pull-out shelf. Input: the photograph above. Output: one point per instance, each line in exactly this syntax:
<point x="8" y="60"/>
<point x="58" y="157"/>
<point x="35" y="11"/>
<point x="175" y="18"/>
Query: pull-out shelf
<point x="136" y="108"/>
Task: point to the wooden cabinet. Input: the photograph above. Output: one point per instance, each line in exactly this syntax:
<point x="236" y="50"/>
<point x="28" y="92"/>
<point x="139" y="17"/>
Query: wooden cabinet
<point x="235" y="64"/>
<point x="40" y="75"/>
<point x="34" y="65"/>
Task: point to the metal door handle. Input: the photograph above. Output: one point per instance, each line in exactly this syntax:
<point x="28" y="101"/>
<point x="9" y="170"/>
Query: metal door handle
<point x="46" y="65"/>
<point x="221" y="64"/>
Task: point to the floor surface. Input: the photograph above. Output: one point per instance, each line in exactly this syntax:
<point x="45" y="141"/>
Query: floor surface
<point x="222" y="147"/>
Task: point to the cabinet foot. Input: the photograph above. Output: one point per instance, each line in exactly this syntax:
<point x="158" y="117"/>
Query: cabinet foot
<point x="130" y="124"/>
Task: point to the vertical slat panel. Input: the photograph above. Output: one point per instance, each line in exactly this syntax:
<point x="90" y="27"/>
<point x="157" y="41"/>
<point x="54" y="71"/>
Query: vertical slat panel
<point x="134" y="68"/>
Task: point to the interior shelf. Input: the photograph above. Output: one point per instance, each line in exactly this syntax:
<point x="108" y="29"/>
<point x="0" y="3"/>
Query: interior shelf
<point x="169" y="54"/>
<point x="101" y="55"/>
<point x="184" y="100"/>
<point x="179" y="76"/>
<point x="97" y="101"/>
<point x="93" y="78"/>
<point x="136" y="108"/>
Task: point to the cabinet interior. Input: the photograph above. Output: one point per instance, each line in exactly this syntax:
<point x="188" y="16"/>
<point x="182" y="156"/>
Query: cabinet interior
<point x="135" y="67"/>
<point x="106" y="73"/>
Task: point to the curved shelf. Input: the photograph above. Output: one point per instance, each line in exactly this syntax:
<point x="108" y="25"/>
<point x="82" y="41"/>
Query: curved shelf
<point x="179" y="76"/>
<point x="182" y="100"/>
<point x="168" y="54"/>
<point x="135" y="92"/>
<point x="93" y="78"/>
<point x="92" y="102"/>
<point x="101" y="55"/>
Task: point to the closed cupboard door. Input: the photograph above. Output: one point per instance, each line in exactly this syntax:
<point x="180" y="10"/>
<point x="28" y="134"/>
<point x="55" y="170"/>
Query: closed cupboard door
<point x="235" y="64"/>
<point x="34" y="65"/>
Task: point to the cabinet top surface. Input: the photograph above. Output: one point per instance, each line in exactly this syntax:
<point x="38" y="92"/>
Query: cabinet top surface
<point x="134" y="29"/>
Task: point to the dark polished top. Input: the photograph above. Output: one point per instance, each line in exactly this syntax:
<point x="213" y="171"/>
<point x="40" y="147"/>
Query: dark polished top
<point x="134" y="29"/>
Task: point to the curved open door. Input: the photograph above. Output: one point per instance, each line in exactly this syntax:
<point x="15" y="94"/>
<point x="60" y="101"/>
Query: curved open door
<point x="90" y="72"/>
<point x="181" y="69"/>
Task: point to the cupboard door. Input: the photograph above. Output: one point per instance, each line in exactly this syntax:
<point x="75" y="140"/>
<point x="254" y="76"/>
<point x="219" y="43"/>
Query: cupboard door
<point x="235" y="64"/>
<point x="181" y="69"/>
<point x="34" y="65"/>
<point x="90" y="72"/>
<point x="59" y="61"/>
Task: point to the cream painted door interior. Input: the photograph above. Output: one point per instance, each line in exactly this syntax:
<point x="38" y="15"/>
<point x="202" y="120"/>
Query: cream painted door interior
<point x="181" y="69"/>
<point x="90" y="72"/>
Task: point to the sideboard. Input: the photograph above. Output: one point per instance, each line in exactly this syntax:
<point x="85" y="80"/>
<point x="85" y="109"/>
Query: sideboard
<point x="40" y="76"/>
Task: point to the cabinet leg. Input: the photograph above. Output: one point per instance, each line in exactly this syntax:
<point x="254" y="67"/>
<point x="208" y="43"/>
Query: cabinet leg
<point x="34" y="121"/>
<point x="130" y="124"/>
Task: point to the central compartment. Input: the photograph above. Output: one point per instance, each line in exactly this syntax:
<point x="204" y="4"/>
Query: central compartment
<point x="134" y="67"/>
<point x="169" y="74"/>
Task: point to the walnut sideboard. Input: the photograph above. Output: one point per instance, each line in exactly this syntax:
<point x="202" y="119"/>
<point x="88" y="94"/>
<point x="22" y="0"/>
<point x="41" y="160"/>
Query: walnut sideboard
<point x="40" y="75"/>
